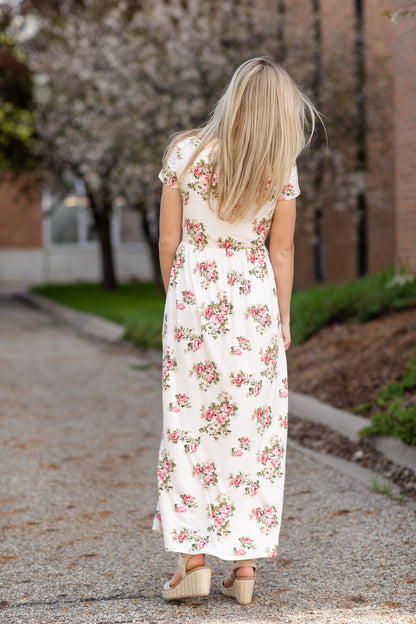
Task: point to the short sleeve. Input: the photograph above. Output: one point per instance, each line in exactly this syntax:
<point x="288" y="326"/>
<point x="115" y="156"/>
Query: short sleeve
<point x="170" y="173"/>
<point x="291" y="189"/>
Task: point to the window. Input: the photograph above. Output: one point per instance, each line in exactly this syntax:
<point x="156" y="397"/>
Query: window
<point x="69" y="221"/>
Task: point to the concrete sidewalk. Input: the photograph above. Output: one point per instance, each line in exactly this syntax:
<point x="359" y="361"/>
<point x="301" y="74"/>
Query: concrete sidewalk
<point x="80" y="425"/>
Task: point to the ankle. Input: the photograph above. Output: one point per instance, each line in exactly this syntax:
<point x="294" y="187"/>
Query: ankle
<point x="195" y="561"/>
<point x="244" y="572"/>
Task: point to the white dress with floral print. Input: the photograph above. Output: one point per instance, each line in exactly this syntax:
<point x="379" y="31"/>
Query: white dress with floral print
<point x="222" y="455"/>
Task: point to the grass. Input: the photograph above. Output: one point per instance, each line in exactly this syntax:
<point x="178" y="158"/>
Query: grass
<point x="139" y="307"/>
<point x="385" y="487"/>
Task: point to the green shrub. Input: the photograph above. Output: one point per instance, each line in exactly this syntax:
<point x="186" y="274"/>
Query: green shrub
<point x="360" y="300"/>
<point x="396" y="420"/>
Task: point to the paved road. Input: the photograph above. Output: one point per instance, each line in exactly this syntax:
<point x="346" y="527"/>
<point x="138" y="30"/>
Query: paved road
<point x="79" y="432"/>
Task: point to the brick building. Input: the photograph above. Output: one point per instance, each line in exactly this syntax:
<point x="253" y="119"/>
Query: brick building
<point x="371" y="229"/>
<point x="389" y="57"/>
<point x="46" y="239"/>
<point x="404" y="68"/>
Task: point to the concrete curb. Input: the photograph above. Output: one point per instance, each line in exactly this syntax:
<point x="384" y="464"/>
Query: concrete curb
<point x="300" y="405"/>
<point x="364" y="475"/>
<point x="88" y="324"/>
<point x="349" y="425"/>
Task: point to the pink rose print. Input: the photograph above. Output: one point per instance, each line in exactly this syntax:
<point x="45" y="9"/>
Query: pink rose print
<point x="220" y="514"/>
<point x="272" y="552"/>
<point x="283" y="421"/>
<point x="270" y="459"/>
<point x="241" y="378"/>
<point x="217" y="416"/>
<point x="194" y="537"/>
<point x="190" y="443"/>
<point x="246" y="543"/>
<point x="178" y="334"/>
<point x="220" y="419"/>
<point x="253" y="489"/>
<point x="206" y="473"/>
<point x="166" y="467"/>
<point x="265" y="521"/>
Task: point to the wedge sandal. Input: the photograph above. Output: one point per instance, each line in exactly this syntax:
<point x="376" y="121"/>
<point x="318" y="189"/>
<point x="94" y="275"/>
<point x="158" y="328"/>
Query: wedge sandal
<point x="195" y="582"/>
<point x="242" y="587"/>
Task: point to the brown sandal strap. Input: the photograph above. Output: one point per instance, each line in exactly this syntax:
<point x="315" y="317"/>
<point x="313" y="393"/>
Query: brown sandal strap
<point x="182" y="562"/>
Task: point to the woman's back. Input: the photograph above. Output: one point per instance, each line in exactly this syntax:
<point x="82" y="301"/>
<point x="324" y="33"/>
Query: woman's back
<point x="201" y="225"/>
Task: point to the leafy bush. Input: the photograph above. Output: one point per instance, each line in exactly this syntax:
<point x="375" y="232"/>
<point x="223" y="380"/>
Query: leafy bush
<point x="396" y="420"/>
<point x="360" y="300"/>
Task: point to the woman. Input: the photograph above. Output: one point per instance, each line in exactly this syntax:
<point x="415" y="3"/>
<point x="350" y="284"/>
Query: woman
<point x="226" y="328"/>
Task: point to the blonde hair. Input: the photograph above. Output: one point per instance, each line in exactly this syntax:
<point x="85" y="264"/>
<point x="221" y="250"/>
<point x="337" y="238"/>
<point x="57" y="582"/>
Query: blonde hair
<point x="257" y="131"/>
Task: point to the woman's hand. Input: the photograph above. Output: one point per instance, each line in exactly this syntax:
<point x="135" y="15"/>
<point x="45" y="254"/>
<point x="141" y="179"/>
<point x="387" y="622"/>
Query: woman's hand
<point x="286" y="335"/>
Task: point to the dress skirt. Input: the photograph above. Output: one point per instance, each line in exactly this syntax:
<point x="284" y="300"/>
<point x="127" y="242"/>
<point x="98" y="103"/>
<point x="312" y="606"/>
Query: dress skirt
<point x="222" y="455"/>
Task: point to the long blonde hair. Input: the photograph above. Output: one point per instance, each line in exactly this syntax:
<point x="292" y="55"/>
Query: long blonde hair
<point x="258" y="130"/>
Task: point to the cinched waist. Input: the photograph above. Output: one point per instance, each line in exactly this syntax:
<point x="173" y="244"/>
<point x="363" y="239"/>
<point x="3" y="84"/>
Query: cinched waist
<point x="229" y="249"/>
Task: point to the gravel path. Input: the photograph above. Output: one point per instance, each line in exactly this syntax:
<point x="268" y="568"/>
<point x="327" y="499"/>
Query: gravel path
<point x="79" y="433"/>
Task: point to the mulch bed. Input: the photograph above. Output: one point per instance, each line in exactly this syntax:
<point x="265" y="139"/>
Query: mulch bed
<point x="322" y="439"/>
<point x="347" y="365"/>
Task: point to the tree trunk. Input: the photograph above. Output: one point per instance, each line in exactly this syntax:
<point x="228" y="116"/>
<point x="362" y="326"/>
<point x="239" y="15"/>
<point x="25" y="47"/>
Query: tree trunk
<point x="317" y="183"/>
<point x="361" y="155"/>
<point x="101" y="212"/>
<point x="150" y="224"/>
<point x="108" y="275"/>
<point x="282" y="49"/>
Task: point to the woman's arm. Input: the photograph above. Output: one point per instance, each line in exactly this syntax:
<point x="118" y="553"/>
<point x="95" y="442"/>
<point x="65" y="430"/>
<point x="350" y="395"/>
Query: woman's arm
<point x="170" y="230"/>
<point x="282" y="252"/>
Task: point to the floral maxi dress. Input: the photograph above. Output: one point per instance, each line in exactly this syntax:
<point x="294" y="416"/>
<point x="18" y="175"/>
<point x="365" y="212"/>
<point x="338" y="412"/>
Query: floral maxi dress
<point x="225" y="400"/>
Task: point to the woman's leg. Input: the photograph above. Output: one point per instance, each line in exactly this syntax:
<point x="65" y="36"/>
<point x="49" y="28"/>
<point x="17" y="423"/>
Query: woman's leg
<point x="243" y="572"/>
<point x="195" y="561"/>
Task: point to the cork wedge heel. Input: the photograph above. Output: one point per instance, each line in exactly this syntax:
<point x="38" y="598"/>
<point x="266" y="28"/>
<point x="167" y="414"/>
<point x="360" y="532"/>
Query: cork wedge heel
<point x="195" y="582"/>
<point x="242" y="588"/>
